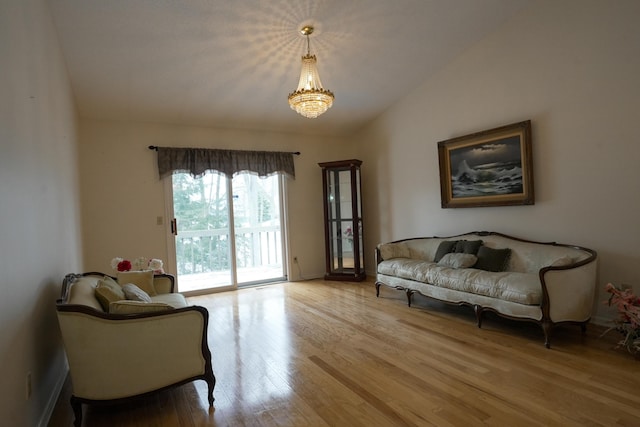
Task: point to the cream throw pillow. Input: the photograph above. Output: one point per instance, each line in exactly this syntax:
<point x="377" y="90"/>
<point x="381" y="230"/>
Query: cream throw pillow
<point x="137" y="307"/>
<point x="142" y="279"/>
<point x="108" y="291"/>
<point x="458" y="260"/>
<point x="134" y="293"/>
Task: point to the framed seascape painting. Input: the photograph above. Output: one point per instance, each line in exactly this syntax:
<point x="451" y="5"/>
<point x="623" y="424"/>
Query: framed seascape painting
<point x="488" y="168"/>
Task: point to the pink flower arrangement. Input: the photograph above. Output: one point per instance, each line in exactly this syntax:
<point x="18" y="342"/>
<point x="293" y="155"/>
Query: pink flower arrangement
<point x="349" y="234"/>
<point x="141" y="263"/>
<point x="628" y="321"/>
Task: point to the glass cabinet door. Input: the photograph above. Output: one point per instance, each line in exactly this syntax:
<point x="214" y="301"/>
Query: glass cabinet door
<point x="343" y="220"/>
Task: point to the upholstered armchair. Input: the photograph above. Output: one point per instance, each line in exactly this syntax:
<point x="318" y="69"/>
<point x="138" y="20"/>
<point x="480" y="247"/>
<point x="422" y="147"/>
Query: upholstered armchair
<point x="114" y="357"/>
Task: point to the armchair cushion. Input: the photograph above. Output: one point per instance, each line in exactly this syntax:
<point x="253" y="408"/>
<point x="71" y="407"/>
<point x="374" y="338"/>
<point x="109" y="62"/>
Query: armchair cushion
<point x="142" y="279"/>
<point x="175" y="300"/>
<point x="136" y="307"/>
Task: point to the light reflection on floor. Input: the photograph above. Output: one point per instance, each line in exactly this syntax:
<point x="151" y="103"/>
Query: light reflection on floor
<point x="245" y="376"/>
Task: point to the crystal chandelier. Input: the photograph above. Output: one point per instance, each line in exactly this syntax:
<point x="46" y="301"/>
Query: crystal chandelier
<point x="310" y="99"/>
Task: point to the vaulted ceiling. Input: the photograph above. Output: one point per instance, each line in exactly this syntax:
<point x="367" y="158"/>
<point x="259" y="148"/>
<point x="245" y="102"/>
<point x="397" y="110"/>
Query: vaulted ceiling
<point x="232" y="63"/>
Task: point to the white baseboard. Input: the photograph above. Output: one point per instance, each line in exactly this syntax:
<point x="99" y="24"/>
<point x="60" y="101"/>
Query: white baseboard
<point x="53" y="398"/>
<point x="601" y="320"/>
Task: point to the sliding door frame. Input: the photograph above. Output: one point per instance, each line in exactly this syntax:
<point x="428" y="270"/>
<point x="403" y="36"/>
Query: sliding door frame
<point x="172" y="263"/>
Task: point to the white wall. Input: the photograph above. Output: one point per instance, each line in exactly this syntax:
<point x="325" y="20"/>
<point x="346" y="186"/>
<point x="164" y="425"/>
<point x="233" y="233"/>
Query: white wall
<point x="571" y="67"/>
<point x="39" y="209"/>
<point x="122" y="195"/>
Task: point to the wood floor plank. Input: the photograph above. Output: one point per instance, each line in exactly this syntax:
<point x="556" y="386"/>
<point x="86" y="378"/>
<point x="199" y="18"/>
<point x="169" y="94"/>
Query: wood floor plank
<point x="377" y="403"/>
<point x="319" y="353"/>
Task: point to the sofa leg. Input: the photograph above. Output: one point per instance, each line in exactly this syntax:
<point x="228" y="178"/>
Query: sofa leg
<point x="211" y="383"/>
<point x="377" y="289"/>
<point x="547" y="326"/>
<point x="76" y="405"/>
<point x="409" y="295"/>
<point x="478" y="310"/>
<point x="210" y="378"/>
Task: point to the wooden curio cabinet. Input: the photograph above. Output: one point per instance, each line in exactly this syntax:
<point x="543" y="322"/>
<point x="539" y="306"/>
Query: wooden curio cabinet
<point x="343" y="220"/>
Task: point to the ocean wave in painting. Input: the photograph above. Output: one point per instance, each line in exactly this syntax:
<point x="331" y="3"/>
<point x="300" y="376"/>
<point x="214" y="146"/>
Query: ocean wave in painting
<point x="487" y="180"/>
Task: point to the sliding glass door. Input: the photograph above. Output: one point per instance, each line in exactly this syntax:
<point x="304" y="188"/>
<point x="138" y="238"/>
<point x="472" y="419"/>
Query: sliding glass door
<point x="208" y="256"/>
<point x="257" y="223"/>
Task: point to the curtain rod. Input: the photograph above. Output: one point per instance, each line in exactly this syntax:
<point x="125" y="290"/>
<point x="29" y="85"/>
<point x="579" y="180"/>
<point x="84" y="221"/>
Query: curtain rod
<point x="155" y="148"/>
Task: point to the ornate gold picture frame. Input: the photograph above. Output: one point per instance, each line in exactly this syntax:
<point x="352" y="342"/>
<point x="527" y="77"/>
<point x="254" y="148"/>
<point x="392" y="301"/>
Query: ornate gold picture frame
<point x="488" y="168"/>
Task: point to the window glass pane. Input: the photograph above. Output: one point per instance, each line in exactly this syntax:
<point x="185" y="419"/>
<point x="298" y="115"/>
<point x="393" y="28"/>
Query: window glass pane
<point x="256" y="216"/>
<point x="202" y="244"/>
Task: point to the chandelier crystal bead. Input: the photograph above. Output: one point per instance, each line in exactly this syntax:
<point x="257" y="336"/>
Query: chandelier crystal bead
<point x="310" y="99"/>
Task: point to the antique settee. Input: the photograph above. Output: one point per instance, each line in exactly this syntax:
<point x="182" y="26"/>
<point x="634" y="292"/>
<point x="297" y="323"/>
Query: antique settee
<point x="119" y="349"/>
<point x="546" y="283"/>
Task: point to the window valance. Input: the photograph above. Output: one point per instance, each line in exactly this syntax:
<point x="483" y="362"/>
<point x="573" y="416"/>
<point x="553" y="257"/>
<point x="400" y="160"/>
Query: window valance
<point x="197" y="161"/>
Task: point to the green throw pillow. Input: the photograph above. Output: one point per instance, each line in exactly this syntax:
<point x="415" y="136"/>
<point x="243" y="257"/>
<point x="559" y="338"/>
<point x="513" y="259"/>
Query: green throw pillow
<point x="445" y="247"/>
<point x="468" y="246"/>
<point x="492" y="259"/>
<point x="108" y="291"/>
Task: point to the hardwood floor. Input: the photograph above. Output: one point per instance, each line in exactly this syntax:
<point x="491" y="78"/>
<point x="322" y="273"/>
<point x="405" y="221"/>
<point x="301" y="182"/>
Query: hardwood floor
<point x="322" y="353"/>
